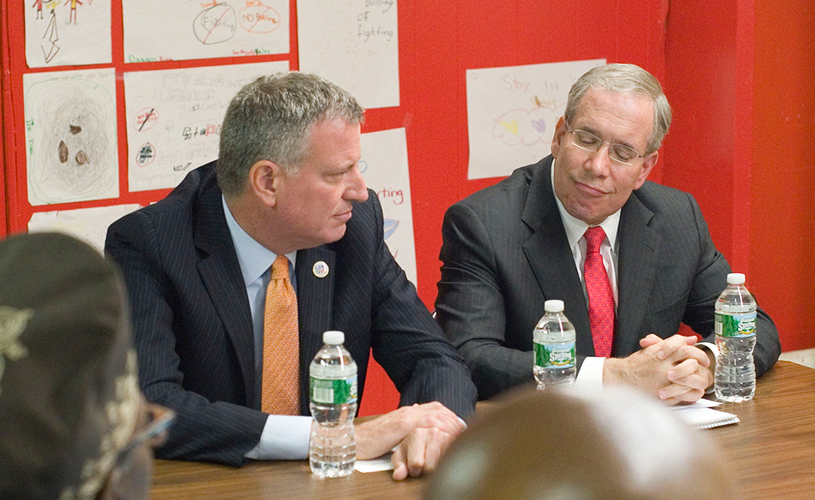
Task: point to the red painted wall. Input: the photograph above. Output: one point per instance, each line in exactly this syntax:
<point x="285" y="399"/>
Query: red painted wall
<point x="740" y="79"/>
<point x="782" y="260"/>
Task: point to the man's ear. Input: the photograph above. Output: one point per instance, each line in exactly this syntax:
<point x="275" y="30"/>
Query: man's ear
<point x="560" y="132"/>
<point x="265" y="179"/>
<point x="647" y="164"/>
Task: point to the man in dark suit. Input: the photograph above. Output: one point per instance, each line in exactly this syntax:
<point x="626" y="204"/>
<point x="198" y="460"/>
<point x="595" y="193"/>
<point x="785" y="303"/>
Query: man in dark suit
<point x="198" y="265"/>
<point x="510" y="247"/>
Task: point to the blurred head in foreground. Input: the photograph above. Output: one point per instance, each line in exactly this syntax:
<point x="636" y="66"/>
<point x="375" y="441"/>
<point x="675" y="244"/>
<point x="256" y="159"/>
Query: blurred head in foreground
<point x="615" y="444"/>
<point x="73" y="424"/>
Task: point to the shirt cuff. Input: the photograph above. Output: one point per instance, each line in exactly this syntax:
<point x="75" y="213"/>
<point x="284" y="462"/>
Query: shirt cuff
<point x="590" y="375"/>
<point x="709" y="346"/>
<point x="285" y="437"/>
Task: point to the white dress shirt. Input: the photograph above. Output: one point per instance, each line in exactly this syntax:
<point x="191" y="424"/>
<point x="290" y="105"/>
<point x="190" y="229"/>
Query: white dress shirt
<point x="591" y="372"/>
<point x="285" y="437"/>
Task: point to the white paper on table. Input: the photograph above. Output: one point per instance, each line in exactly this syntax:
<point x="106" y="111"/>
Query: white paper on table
<point x="353" y="43"/>
<point x="87" y="224"/>
<point x="384" y="166"/>
<point x="174" y="118"/>
<point x="58" y="33"/>
<point x="71" y="138"/>
<point x="165" y="30"/>
<point x="512" y="113"/>
<point x="375" y="465"/>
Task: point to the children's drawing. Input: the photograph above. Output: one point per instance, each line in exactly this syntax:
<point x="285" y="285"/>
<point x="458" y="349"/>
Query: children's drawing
<point x="198" y="29"/>
<point x="63" y="36"/>
<point x="88" y="224"/>
<point x="72" y="15"/>
<point x="49" y="39"/>
<point x="512" y="113"/>
<point x="353" y="43"/>
<point x="174" y="118"/>
<point x="384" y="166"/>
<point x="71" y="136"/>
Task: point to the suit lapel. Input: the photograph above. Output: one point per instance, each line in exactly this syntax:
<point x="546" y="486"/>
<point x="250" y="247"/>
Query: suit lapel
<point x="638" y="251"/>
<point x="221" y="274"/>
<point x="550" y="258"/>
<point x="315" y="305"/>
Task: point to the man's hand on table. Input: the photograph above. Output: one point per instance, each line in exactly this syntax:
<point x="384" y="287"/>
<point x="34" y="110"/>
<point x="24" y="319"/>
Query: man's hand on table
<point x="421" y="433"/>
<point x="672" y="369"/>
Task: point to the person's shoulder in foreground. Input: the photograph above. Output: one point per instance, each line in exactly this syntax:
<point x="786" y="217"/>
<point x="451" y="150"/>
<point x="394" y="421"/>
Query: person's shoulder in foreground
<point x="71" y="411"/>
<point x="511" y="246"/>
<point x="197" y="264"/>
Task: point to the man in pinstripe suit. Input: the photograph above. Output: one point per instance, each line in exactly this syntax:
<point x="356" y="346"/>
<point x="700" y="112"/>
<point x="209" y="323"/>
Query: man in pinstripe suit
<point x="511" y="246"/>
<point x="197" y="264"/>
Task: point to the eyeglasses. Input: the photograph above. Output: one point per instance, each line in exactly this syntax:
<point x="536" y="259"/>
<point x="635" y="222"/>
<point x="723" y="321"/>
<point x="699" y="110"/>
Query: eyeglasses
<point x="153" y="433"/>
<point x="618" y="153"/>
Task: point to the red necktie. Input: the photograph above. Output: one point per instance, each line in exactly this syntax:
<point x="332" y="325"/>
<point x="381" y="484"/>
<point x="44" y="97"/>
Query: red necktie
<point x="601" y="298"/>
<point x="281" y="345"/>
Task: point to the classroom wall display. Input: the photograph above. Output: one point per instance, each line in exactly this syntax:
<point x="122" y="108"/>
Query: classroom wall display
<point x="71" y="140"/>
<point x="174" y="118"/>
<point x="200" y="29"/>
<point x="58" y="33"/>
<point x="512" y="113"/>
<point x="88" y="224"/>
<point x="353" y="43"/>
<point x="384" y="166"/>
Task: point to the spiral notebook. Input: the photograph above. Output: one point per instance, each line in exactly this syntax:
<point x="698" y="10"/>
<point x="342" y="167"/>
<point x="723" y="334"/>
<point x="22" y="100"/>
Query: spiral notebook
<point x="701" y="416"/>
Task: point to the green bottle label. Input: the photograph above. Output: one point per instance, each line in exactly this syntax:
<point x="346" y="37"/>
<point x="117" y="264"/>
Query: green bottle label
<point x="555" y="355"/>
<point x="735" y="325"/>
<point x="331" y="391"/>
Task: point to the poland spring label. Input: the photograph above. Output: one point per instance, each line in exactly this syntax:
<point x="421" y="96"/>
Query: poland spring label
<point x="333" y="391"/>
<point x="735" y="325"/>
<point x="561" y="355"/>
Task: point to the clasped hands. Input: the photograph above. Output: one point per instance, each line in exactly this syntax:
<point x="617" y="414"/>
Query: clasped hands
<point x="672" y="369"/>
<point x="421" y="433"/>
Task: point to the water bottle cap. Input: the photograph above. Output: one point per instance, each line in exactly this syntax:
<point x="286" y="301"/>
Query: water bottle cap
<point x="735" y="279"/>
<point x="554" y="306"/>
<point x="333" y="337"/>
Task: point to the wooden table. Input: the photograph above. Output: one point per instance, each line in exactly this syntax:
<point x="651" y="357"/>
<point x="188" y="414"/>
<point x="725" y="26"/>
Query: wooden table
<point x="772" y="451"/>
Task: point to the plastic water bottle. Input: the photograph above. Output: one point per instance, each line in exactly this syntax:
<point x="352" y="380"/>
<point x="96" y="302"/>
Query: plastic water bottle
<point x="554" y="337"/>
<point x="333" y="403"/>
<point x="735" y="326"/>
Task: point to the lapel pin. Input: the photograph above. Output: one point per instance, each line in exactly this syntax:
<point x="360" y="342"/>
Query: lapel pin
<point x="320" y="269"/>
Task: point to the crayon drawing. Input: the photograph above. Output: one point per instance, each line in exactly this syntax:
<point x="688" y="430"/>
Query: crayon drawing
<point x="512" y="113"/>
<point x="67" y="32"/>
<point x="72" y="152"/>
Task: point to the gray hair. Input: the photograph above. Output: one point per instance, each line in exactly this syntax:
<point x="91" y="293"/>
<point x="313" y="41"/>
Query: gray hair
<point x="270" y="119"/>
<point x="630" y="79"/>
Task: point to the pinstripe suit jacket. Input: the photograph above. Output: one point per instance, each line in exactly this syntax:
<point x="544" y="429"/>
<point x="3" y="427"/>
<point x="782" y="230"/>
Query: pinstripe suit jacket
<point x="505" y="252"/>
<point x="193" y="330"/>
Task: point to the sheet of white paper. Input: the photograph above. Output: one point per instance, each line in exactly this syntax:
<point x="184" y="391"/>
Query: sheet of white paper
<point x="71" y="139"/>
<point x="512" y="113"/>
<point x="88" y="224"/>
<point x="384" y="166"/>
<point x="58" y="32"/>
<point x="174" y="118"/>
<point x="353" y="43"/>
<point x="375" y="465"/>
<point x="164" y="30"/>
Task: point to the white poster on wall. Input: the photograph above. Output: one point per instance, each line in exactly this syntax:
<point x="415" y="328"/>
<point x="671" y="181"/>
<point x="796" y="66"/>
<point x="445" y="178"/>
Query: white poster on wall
<point x="174" y="118"/>
<point x="88" y="224"/>
<point x="384" y="166"/>
<point x="60" y="32"/>
<point x="353" y="43"/>
<point x="71" y="138"/>
<point x="166" y="30"/>
<point x="512" y="113"/>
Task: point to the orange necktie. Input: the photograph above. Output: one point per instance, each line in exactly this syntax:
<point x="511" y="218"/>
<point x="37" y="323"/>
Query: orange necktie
<point x="281" y="344"/>
<point x="601" y="297"/>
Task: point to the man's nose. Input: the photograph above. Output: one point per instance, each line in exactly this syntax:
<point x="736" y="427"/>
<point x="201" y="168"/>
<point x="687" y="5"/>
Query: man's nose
<point x="356" y="190"/>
